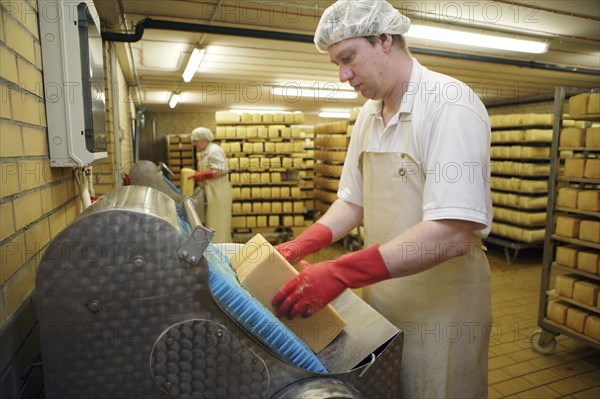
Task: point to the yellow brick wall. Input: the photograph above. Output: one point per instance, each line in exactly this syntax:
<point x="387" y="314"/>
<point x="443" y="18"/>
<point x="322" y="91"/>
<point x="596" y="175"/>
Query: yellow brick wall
<point x="36" y="201"/>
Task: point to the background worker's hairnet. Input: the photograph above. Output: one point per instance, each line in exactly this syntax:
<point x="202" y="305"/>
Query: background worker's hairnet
<point x="354" y="18"/>
<point x="202" y="133"/>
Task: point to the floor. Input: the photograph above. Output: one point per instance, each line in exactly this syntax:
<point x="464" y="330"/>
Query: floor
<point x="515" y="370"/>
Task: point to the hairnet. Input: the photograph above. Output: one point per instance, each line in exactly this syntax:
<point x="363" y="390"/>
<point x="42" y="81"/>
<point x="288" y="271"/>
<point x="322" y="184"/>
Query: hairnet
<point x="354" y="18"/>
<point x="202" y="133"/>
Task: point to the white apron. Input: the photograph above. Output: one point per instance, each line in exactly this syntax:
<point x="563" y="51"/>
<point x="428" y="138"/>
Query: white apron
<point x="445" y="312"/>
<point x="219" y="198"/>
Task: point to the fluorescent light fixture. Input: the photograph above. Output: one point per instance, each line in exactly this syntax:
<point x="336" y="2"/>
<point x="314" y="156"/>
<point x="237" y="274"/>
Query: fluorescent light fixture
<point x="193" y="64"/>
<point x="297" y="91"/>
<point x="174" y="100"/>
<point x="337" y="114"/>
<point x="476" y="39"/>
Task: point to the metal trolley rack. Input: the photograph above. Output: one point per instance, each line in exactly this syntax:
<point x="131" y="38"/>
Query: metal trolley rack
<point x="544" y="341"/>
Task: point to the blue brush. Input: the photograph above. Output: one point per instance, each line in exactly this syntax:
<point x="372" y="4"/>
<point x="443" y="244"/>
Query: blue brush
<point x="253" y="316"/>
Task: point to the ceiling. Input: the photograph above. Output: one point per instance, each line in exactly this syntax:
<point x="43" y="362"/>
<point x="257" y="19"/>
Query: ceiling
<point x="239" y="71"/>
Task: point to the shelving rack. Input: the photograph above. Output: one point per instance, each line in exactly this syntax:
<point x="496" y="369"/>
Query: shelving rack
<point x="570" y="284"/>
<point x="180" y="154"/>
<point x="520" y="155"/>
<point x="331" y="146"/>
<point x="265" y="157"/>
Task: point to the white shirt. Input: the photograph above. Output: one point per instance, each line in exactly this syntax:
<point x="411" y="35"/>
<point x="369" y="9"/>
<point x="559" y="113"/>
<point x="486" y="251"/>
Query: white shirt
<point x="214" y="156"/>
<point x="450" y="140"/>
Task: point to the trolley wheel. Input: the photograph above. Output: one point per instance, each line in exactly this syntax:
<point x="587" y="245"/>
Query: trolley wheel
<point x="543" y="342"/>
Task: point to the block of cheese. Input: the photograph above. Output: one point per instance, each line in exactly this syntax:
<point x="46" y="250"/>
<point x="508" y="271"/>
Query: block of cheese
<point x="586" y="292"/>
<point x="592" y="168"/>
<point x="576" y="319"/>
<point x="564" y="284"/>
<point x="557" y="312"/>
<point x="592" y="137"/>
<point x="589" y="230"/>
<point x="572" y="137"/>
<point x="267" y="118"/>
<point x="567" y="226"/>
<point x="566" y="255"/>
<point x="226" y="117"/>
<point x="246" y="117"/>
<point x="264" y="274"/>
<point x="592" y="327"/>
<point x="588" y="262"/>
<point x="578" y="105"/>
<point x="256" y="118"/>
<point x="567" y="197"/>
<point x="537" y="119"/>
<point x="187" y="184"/>
<point x="535" y="152"/>
<point x="251" y="221"/>
<point x="236" y="208"/>
<point x="574" y="167"/>
<point x="588" y="200"/>
<point x="538" y="135"/>
<point x="594" y="104"/>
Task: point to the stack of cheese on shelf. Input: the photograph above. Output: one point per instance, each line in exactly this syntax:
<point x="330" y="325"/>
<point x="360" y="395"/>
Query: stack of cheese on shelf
<point x="180" y="154"/>
<point x="265" y="154"/>
<point x="578" y="303"/>
<point x="584" y="104"/>
<point x="331" y="144"/>
<point x="520" y="168"/>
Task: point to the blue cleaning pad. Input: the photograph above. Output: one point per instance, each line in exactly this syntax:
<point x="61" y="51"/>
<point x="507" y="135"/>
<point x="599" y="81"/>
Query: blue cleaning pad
<point x="253" y="316"/>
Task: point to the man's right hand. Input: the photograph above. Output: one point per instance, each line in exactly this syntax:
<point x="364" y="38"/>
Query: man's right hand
<point x="311" y="240"/>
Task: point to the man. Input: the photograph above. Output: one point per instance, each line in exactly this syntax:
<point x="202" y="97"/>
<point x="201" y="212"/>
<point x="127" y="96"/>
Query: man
<point x="416" y="173"/>
<point x="212" y="165"/>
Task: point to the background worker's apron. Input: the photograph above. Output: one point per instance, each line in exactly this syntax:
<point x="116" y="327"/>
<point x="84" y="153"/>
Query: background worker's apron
<point x="219" y="197"/>
<point x="445" y="312"/>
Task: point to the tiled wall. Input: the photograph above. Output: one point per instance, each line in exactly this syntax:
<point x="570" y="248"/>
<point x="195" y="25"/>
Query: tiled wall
<point x="36" y="201"/>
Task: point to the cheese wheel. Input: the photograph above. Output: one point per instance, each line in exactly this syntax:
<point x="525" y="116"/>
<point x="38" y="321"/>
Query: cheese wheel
<point x="574" y="167"/>
<point x="265" y="274"/>
<point x="187" y="184"/>
<point x="576" y="319"/>
<point x="246" y="117"/>
<point x="567" y="226"/>
<point x="586" y="292"/>
<point x="564" y="285"/>
<point x="592" y="137"/>
<point x="538" y="135"/>
<point x="267" y="118"/>
<point x="567" y="256"/>
<point x="588" y="200"/>
<point x="238" y="222"/>
<point x="226" y="117"/>
<point x="567" y="197"/>
<point x="256" y="118"/>
<point x="592" y="327"/>
<point x="594" y="104"/>
<point x="578" y="105"/>
<point x="572" y="137"/>
<point x="589" y="230"/>
<point x="557" y="312"/>
<point x="592" y="168"/>
<point x="298" y="117"/>
<point x="588" y="262"/>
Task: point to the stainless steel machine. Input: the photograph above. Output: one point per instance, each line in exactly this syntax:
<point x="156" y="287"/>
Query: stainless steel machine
<point x="127" y="310"/>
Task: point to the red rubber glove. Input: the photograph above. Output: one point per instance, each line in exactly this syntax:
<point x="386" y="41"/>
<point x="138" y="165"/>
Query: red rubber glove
<point x="311" y="240"/>
<point x="321" y="283"/>
<point x="201" y="176"/>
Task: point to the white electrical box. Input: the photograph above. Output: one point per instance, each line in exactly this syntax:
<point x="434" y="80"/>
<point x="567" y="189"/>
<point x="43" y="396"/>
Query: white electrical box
<point x="72" y="51"/>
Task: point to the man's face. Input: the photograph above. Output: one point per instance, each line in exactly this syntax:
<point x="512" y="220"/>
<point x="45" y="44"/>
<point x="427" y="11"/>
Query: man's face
<point x="359" y="63"/>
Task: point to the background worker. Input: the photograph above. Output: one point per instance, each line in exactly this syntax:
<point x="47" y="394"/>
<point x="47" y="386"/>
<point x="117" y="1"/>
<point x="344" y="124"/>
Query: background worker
<point x="212" y="175"/>
<point x="416" y="173"/>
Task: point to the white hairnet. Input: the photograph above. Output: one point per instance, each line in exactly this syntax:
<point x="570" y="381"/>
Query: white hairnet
<point x="354" y="18"/>
<point x="202" y="133"/>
